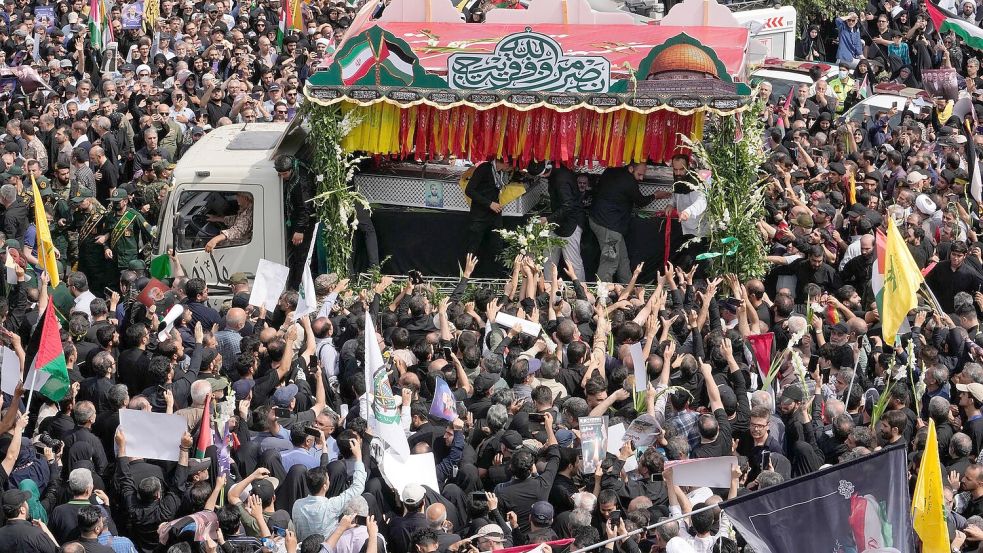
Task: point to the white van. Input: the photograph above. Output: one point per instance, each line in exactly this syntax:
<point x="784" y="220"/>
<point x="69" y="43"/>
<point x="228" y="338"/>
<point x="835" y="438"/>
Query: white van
<point x="229" y="160"/>
<point x="773" y="29"/>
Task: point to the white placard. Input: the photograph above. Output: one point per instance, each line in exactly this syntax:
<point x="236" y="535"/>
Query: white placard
<point x="616" y="438"/>
<point x="638" y="362"/>
<point x="412" y="469"/>
<point x="152" y="435"/>
<point x="271" y="279"/>
<point x="527" y="327"/>
<point x="10" y="372"/>
<point x="712" y="472"/>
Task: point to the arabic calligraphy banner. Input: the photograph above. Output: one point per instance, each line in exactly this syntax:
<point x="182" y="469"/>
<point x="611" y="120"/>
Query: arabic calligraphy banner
<point x="529" y="61"/>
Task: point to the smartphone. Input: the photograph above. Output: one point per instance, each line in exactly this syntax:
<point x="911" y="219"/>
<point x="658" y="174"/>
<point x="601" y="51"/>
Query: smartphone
<point x="447" y="353"/>
<point x="312" y="432"/>
<point x="537" y="417"/>
<point x="765" y="459"/>
<point x="360" y="520"/>
<point x="615" y="518"/>
<point x="813" y="363"/>
<point x="282" y="532"/>
<point x="479" y="496"/>
<point x="282" y="412"/>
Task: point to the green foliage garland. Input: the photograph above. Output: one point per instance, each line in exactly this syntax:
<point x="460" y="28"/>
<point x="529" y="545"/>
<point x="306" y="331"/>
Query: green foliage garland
<point x="334" y="201"/>
<point x="735" y="193"/>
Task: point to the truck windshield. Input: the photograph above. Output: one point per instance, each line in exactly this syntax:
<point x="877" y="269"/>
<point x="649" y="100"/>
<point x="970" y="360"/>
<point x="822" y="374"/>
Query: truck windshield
<point x="203" y="214"/>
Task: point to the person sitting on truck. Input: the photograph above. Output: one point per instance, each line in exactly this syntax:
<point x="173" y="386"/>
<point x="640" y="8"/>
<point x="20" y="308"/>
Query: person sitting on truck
<point x="297" y="194"/>
<point x="239" y="226"/>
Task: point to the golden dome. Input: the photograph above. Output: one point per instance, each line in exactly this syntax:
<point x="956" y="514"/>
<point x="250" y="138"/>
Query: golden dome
<point x="684" y="57"/>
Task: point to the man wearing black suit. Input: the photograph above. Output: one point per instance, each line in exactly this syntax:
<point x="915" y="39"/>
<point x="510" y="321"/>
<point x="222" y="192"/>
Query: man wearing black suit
<point x="567" y="214"/>
<point x="483" y="189"/>
<point x="105" y="172"/>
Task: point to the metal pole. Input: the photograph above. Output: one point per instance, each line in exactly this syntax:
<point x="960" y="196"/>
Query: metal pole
<point x="649" y="527"/>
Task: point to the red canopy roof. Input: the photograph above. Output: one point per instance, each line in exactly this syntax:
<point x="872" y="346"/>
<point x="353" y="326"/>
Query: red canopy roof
<point x="433" y="43"/>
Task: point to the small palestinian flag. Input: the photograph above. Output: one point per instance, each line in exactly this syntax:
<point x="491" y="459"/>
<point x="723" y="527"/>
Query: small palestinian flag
<point x="397" y="61"/>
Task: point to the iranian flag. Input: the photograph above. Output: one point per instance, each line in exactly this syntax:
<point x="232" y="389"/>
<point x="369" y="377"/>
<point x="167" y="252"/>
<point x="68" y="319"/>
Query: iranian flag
<point x="49" y="373"/>
<point x="100" y="31"/>
<point x="397" y="61"/>
<point x="357" y="63"/>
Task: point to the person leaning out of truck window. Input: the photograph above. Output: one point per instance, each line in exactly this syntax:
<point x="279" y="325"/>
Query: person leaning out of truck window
<point x="240" y="225"/>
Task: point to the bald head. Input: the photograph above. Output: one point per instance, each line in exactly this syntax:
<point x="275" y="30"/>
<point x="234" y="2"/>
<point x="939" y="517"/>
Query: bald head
<point x="235" y="319"/>
<point x="436" y="515"/>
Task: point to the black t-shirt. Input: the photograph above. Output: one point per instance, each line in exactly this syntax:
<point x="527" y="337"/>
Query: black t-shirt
<point x="722" y="444"/>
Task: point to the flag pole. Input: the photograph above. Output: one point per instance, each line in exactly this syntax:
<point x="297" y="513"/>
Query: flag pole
<point x="649" y="527"/>
<point x="30" y="391"/>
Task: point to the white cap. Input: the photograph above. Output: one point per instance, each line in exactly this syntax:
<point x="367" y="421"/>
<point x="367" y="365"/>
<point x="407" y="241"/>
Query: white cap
<point x="413" y="494"/>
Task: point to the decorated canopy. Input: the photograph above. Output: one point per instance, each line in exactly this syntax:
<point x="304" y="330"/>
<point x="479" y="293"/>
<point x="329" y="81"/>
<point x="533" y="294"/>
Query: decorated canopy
<point x="609" y="94"/>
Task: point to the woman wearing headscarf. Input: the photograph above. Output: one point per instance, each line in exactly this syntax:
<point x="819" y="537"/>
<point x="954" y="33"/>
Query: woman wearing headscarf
<point x="810" y="47"/>
<point x="292" y="487"/>
<point x="34" y="506"/>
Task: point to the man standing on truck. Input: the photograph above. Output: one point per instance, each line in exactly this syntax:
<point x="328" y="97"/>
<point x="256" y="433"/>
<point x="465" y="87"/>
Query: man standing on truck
<point x="483" y="189"/>
<point x="297" y="194"/>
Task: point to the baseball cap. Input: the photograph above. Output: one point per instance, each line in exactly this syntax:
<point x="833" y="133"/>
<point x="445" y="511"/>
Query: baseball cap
<point x="837" y="168"/>
<point x="803" y="220"/>
<point x="915" y="177"/>
<point x="542" y="513"/>
<point x="492" y="532"/>
<point x="792" y="393"/>
<point x="265" y="488"/>
<point x="198" y="465"/>
<point x="136" y="265"/>
<point x="283" y="395"/>
<point x="197" y="130"/>
<point x="511" y="440"/>
<point x="118" y="195"/>
<point x="840" y="328"/>
<point x="219" y="383"/>
<point x="15" y="498"/>
<point x="412" y="495"/>
<point x="974" y="388"/>
<point x="238" y="278"/>
<point x="484" y="382"/>
<point x="243" y="386"/>
<point x="273" y="87"/>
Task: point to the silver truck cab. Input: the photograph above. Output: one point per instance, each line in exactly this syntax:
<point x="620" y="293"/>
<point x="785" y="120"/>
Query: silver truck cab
<point x="230" y="160"/>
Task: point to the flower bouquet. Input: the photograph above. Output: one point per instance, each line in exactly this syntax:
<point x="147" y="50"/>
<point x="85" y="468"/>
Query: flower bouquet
<point x="534" y="240"/>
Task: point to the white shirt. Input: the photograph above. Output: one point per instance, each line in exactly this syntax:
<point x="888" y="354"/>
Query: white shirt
<point x="82" y="303"/>
<point x="694" y="203"/>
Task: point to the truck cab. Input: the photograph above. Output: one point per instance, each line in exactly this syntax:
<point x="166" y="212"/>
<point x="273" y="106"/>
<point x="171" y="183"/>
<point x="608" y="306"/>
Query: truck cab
<point x="229" y="161"/>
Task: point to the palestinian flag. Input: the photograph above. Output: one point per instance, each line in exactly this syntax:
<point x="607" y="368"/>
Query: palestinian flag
<point x="49" y="364"/>
<point x="397" y="61"/>
<point x="946" y="22"/>
<point x="204" y="439"/>
<point x="865" y="90"/>
<point x="100" y="31"/>
<point x="357" y="63"/>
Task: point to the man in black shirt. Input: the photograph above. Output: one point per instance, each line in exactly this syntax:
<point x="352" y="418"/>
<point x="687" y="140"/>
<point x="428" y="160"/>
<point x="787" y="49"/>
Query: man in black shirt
<point x="715" y="430"/>
<point x="524" y="488"/>
<point x="616" y="194"/>
<point x="483" y="190"/>
<point x="567" y="214"/>
<point x="950" y="277"/>
<point x="19" y="534"/>
<point x="297" y="193"/>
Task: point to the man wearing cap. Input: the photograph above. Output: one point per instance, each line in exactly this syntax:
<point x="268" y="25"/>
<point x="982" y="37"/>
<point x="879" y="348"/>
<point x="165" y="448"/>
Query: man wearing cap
<point x="19" y="534"/>
<point x="490" y="537"/>
<point x="401" y="529"/>
<point x="121" y="230"/>
<point x="87" y="223"/>
<point x="524" y="489"/>
<point x="261" y="484"/>
<point x="540" y="525"/>
<point x="971" y="402"/>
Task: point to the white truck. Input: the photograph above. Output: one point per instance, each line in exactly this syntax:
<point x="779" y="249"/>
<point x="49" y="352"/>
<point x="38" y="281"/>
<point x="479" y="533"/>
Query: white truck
<point x="772" y="31"/>
<point x="230" y="160"/>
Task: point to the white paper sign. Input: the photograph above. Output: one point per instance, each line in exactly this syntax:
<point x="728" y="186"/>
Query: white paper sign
<point x="712" y="472"/>
<point x="638" y="362"/>
<point x="643" y="430"/>
<point x="528" y="327"/>
<point x="10" y="373"/>
<point x="271" y="279"/>
<point x="152" y="435"/>
<point x="616" y="438"/>
<point x="413" y="469"/>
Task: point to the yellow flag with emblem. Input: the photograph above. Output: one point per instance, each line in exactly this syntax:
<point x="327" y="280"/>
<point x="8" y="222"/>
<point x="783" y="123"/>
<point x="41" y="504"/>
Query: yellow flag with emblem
<point x="927" y="509"/>
<point x="901" y="281"/>
<point x="42" y="239"/>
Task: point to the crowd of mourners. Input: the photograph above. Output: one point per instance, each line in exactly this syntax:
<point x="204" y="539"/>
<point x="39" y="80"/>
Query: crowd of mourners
<point x="98" y="136"/>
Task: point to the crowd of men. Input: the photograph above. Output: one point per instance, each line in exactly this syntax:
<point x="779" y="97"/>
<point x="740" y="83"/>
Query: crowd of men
<point x="305" y="471"/>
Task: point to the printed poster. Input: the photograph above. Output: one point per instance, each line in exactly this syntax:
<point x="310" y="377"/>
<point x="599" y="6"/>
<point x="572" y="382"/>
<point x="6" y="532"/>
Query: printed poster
<point x="132" y="15"/>
<point x="593" y="442"/>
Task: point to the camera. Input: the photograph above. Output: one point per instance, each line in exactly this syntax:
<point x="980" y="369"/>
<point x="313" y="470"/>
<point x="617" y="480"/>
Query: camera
<point x="53" y="443"/>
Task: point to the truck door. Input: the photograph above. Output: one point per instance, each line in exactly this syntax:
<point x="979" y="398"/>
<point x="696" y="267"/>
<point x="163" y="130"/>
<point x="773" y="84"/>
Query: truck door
<point x="204" y="210"/>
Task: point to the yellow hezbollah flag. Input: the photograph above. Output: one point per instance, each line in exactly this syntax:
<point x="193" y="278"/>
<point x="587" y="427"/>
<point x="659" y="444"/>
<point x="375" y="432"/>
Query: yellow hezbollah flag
<point x="927" y="513"/>
<point x="901" y="281"/>
<point x="45" y="247"/>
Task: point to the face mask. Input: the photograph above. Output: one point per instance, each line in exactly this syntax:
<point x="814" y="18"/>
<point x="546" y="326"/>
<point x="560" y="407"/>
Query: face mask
<point x="842" y="74"/>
